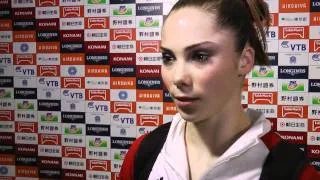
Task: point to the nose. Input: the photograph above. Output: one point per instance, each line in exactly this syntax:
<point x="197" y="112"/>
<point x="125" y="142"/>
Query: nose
<point x="181" y="76"/>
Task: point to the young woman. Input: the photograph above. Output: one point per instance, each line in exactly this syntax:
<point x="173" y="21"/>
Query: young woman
<point x="208" y="47"/>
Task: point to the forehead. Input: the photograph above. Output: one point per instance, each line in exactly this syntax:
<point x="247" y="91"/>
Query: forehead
<point x="191" y="25"/>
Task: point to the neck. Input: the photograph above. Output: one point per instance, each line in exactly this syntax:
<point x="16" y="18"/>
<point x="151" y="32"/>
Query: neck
<point x="215" y="135"/>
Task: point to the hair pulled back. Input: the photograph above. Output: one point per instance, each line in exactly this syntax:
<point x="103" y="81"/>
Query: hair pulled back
<point x="248" y="19"/>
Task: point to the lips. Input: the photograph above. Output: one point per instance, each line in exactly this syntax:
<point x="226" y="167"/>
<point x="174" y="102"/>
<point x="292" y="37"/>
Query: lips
<point x="184" y="101"/>
<point x="185" y="98"/>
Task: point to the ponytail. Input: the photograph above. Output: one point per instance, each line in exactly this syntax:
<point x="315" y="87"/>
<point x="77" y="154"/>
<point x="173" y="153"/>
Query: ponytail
<point x="261" y="22"/>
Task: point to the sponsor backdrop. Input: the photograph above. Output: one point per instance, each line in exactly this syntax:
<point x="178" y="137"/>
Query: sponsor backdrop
<point x="80" y="80"/>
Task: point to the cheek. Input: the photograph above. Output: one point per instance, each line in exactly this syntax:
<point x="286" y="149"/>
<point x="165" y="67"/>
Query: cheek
<point x="217" y="80"/>
<point x="210" y="83"/>
<point x="166" y="76"/>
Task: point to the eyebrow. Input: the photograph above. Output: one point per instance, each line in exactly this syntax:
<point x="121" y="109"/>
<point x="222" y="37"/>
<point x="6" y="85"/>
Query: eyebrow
<point x="193" y="46"/>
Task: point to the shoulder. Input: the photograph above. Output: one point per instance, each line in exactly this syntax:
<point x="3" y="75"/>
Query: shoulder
<point x="142" y="150"/>
<point x="153" y="141"/>
<point x="127" y="168"/>
<point x="286" y="160"/>
<point x="159" y="131"/>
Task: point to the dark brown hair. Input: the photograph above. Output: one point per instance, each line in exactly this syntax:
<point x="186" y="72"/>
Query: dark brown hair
<point x="248" y="19"/>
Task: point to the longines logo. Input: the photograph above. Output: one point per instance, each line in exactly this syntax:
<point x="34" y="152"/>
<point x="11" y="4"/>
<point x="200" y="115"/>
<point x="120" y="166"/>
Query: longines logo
<point x="149" y="9"/>
<point x="48" y="36"/>
<point x="93" y="59"/>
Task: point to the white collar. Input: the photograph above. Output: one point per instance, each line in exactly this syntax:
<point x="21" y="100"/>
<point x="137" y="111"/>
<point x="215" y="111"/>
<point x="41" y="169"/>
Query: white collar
<point x="174" y="149"/>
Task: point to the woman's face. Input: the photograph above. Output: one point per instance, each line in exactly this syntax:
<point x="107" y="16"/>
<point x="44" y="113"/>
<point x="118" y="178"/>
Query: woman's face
<point x="200" y="64"/>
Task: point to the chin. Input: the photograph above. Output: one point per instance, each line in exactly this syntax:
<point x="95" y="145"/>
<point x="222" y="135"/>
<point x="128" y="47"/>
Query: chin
<point x="190" y="117"/>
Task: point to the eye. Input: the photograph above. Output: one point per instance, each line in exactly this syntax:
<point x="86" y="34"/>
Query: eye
<point x="167" y="58"/>
<point x="201" y="57"/>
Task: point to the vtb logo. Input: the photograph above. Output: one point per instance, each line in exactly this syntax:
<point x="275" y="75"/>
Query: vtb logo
<point x="271" y="34"/>
<point x="73" y="95"/>
<point x="294" y="46"/>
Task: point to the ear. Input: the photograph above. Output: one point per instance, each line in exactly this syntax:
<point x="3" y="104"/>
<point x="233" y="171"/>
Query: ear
<point x="246" y="61"/>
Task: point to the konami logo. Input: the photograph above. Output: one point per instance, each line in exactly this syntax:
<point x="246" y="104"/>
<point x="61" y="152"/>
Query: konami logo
<point x="49" y="139"/>
<point x="74" y="152"/>
<point x="98" y="165"/>
<point x="72" y="35"/>
<point x="47" y="24"/>
<point x="7" y="138"/>
<point x="294" y="32"/>
<point x="294" y="137"/>
<point x="71" y="173"/>
<point x="149" y="119"/>
<point x="123" y="34"/>
<point x="24" y="59"/>
<point x="148" y="71"/>
<point x="292" y="111"/>
<point x="50" y="162"/>
<point x="23" y="13"/>
<point x="71" y="11"/>
<point x="123" y="59"/>
<point x="313" y="151"/>
<point x="148" y="46"/>
<point x="97" y="46"/>
<point x="48" y="71"/>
